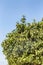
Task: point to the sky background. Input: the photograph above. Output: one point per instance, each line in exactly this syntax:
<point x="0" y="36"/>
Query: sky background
<point x="11" y="11"/>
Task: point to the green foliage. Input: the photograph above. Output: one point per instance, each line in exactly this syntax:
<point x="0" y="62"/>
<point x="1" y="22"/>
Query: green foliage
<point x="23" y="19"/>
<point x="24" y="45"/>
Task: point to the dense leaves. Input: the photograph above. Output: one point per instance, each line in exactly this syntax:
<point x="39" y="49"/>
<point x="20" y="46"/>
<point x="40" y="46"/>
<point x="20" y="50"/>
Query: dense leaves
<point x="24" y="45"/>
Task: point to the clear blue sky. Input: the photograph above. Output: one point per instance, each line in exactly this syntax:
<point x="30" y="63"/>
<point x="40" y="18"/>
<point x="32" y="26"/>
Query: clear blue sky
<point x="11" y="11"/>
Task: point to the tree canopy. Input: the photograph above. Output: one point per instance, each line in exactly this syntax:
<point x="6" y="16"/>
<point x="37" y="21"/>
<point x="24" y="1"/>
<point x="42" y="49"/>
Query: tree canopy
<point x="24" y="45"/>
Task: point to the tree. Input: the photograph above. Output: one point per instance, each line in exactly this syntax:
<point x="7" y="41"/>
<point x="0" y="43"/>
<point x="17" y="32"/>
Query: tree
<point x="24" y="45"/>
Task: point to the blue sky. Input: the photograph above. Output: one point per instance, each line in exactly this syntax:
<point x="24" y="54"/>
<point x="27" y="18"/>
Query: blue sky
<point x="11" y="11"/>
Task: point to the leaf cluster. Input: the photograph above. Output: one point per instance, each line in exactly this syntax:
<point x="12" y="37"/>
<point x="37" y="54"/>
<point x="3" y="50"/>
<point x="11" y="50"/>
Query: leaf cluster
<point x="24" y="45"/>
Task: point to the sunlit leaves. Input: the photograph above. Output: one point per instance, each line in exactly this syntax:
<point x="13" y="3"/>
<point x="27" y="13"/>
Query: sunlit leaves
<point x="24" y="45"/>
